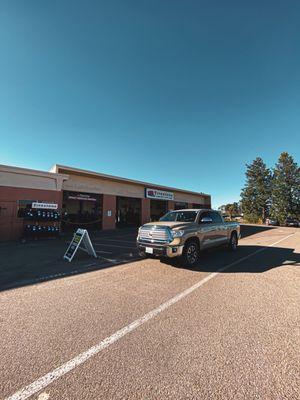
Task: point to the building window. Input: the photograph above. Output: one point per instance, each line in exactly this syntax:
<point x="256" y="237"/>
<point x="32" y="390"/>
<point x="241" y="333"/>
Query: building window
<point x="197" y="205"/>
<point x="128" y="211"/>
<point x="82" y="210"/>
<point x="180" y="205"/>
<point x="158" y="208"/>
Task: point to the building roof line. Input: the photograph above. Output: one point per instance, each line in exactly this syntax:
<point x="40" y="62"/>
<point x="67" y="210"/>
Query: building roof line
<point x="26" y="171"/>
<point x="79" y="171"/>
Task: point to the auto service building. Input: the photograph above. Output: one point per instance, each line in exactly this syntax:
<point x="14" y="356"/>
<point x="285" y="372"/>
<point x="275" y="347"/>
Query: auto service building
<point x="86" y="199"/>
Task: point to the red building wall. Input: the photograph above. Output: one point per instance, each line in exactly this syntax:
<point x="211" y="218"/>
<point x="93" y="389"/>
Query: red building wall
<point x="171" y="205"/>
<point x="11" y="227"/>
<point x="109" y="206"/>
<point x="145" y="211"/>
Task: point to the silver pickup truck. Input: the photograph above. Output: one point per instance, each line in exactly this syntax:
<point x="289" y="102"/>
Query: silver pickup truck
<point x="184" y="233"/>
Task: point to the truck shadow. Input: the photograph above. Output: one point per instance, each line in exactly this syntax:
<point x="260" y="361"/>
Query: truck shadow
<point x="35" y="262"/>
<point x="247" y="259"/>
<point x="248" y="230"/>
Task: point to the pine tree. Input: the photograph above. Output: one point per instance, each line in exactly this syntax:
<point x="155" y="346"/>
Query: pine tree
<point x="255" y="196"/>
<point x="285" y="199"/>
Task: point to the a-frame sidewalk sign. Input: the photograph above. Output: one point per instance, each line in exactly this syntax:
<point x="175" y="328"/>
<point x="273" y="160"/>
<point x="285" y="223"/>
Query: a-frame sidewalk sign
<point x="81" y="240"/>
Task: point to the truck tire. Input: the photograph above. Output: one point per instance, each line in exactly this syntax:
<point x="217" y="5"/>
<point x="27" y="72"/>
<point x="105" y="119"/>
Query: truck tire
<point x="233" y="242"/>
<point x="142" y="254"/>
<point x="191" y="253"/>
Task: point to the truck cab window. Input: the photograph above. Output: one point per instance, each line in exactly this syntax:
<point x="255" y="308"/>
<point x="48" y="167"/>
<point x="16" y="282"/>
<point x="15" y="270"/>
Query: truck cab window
<point x="216" y="217"/>
<point x="206" y="214"/>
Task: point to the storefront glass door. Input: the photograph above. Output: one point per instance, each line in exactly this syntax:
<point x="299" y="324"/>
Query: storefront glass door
<point x="81" y="210"/>
<point x="158" y="208"/>
<point x="128" y="212"/>
<point x="180" y="206"/>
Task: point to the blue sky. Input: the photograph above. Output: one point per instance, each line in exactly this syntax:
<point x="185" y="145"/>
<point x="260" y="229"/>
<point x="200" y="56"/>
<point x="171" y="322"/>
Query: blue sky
<point x="181" y="93"/>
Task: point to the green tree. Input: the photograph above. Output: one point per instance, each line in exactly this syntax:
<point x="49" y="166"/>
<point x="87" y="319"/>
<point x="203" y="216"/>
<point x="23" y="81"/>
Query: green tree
<point x="285" y="199"/>
<point x="232" y="209"/>
<point x="255" y="196"/>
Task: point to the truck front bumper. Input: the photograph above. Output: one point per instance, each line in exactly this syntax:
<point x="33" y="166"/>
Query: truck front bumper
<point x="159" y="250"/>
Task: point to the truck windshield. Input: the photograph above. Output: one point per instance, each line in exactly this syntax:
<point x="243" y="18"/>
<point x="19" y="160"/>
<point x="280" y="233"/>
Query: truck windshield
<point x="180" y="216"/>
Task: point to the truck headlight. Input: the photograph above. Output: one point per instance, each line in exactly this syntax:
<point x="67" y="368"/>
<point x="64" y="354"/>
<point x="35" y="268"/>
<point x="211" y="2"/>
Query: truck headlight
<point x="177" y="234"/>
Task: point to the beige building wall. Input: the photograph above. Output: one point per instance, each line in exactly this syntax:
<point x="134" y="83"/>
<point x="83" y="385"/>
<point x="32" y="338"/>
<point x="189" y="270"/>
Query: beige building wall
<point x="74" y="181"/>
<point x="81" y="183"/>
<point x="30" y="179"/>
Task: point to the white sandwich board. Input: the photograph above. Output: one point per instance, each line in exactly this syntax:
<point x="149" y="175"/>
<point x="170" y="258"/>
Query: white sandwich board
<point x="80" y="237"/>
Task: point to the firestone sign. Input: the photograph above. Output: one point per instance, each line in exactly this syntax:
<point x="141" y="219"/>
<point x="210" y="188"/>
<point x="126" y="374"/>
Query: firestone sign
<point x="158" y="194"/>
<point x="48" y="206"/>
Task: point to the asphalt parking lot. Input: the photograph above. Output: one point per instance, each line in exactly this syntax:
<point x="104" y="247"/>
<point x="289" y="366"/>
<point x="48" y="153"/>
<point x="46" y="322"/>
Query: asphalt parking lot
<point x="123" y="328"/>
<point x="37" y="261"/>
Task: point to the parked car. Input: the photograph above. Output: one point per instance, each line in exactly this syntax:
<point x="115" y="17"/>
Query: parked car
<point x="292" y="222"/>
<point x="272" y="221"/>
<point x="184" y="233"/>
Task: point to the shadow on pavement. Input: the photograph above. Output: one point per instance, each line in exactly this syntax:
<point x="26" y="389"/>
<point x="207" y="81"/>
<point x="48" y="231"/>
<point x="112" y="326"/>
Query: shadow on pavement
<point x="34" y="262"/>
<point x="248" y="230"/>
<point x="40" y="261"/>
<point x="257" y="259"/>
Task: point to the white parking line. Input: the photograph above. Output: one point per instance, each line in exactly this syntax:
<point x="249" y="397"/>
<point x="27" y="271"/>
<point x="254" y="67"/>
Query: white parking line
<point x="118" y="240"/>
<point x="115" y="245"/>
<point x="51" y="376"/>
<point x="43" y="396"/>
<point x="120" y="237"/>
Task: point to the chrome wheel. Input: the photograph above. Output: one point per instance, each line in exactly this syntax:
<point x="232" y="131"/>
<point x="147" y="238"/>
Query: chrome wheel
<point x="192" y="253"/>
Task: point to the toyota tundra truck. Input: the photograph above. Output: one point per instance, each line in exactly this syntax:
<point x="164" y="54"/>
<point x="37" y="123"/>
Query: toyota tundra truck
<point x="184" y="233"/>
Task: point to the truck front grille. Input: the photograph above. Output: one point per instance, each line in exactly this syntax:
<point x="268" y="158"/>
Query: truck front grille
<point x="155" y="234"/>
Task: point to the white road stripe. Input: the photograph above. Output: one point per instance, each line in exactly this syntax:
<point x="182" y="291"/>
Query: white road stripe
<point x="115" y="245"/>
<point x="133" y="242"/>
<point x="43" y="396"/>
<point x="45" y="380"/>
